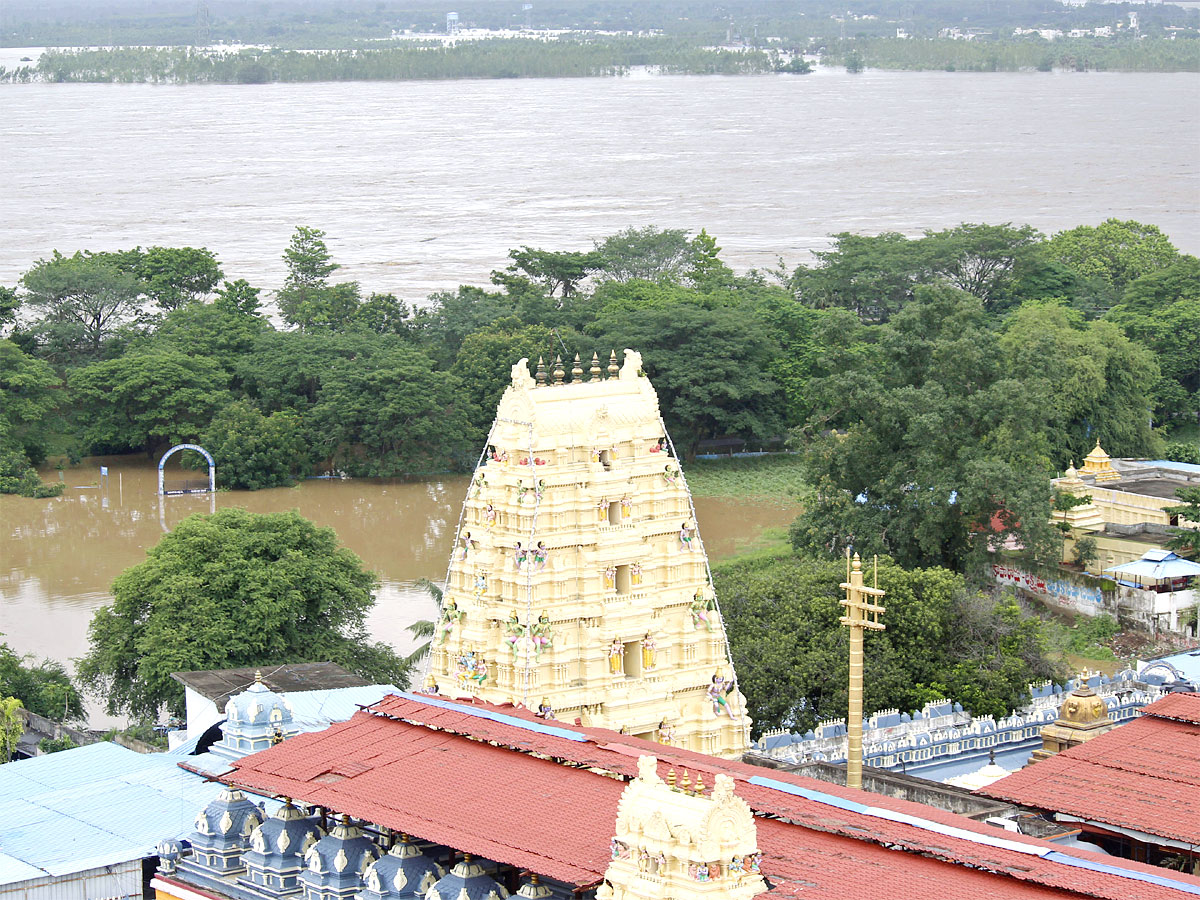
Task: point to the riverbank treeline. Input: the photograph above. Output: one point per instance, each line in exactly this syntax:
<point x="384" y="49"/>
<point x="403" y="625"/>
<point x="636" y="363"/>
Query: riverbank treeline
<point x="515" y="58"/>
<point x="931" y="385"/>
<point x="1126" y="54"/>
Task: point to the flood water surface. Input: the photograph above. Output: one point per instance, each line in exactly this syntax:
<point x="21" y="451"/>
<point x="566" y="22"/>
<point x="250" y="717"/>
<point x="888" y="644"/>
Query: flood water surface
<point x="58" y="557"/>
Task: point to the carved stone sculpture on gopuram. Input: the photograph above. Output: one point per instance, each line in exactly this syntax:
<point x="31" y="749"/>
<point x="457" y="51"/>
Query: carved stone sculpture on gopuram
<point x="578" y="584"/>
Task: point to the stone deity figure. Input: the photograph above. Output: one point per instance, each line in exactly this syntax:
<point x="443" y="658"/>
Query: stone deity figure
<point x="670" y="474"/>
<point x="685" y="537"/>
<point x="542" y="634"/>
<point x="545" y="710"/>
<point x="480" y="585"/>
<point x="481" y="672"/>
<point x="520" y="555"/>
<point x="602" y="510"/>
<point x="626" y="507"/>
<point x="431" y="686"/>
<point x="467" y="544"/>
<point x="649" y="652"/>
<point x="481" y="484"/>
<point x="717" y="694"/>
<point x="701" y="607"/>
<point x="540" y="555"/>
<point x="610" y="578"/>
<point x="489" y="516"/>
<point x="451" y="615"/>
<point x="635" y="573"/>
<point x="616" y="656"/>
<point x="514" y="634"/>
<point x="666" y="733"/>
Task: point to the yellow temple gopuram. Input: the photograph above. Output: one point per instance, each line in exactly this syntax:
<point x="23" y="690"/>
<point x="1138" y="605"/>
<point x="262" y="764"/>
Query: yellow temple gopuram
<point x="579" y="587"/>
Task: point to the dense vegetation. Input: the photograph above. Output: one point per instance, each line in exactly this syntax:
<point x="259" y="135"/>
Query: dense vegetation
<point x="931" y="387"/>
<point x="359" y="41"/>
<point x="942" y="640"/>
<point x="226" y="590"/>
<point x="44" y="688"/>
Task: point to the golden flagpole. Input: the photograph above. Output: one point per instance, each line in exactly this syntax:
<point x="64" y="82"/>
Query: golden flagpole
<point x="859" y="605"/>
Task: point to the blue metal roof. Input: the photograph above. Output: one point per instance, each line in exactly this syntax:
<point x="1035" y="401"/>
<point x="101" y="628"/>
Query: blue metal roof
<point x="1171" y="464"/>
<point x="92" y="806"/>
<point x="1187" y="662"/>
<point x="317" y="710"/>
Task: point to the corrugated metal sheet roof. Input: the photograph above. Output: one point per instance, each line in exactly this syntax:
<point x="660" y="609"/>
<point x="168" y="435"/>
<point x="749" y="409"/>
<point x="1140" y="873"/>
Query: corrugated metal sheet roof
<point x="315" y="710"/>
<point x="440" y="770"/>
<point x="92" y="806"/>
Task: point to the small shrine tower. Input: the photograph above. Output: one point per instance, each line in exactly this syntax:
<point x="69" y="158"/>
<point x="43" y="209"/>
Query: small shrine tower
<point x="1082" y="717"/>
<point x="674" y="841"/>
<point x="578" y="585"/>
<point x="1098" y="465"/>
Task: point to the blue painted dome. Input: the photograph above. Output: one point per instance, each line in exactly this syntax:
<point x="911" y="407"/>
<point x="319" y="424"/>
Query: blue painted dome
<point x="258" y="705"/>
<point x="338" y="860"/>
<point x="283" y="839"/>
<point x="403" y="873"/>
<point x="467" y="881"/>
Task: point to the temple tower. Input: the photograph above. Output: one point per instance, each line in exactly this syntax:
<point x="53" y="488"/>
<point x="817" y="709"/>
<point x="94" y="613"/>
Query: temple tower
<point x="1082" y="717"/>
<point x="578" y="584"/>
<point x="675" y="842"/>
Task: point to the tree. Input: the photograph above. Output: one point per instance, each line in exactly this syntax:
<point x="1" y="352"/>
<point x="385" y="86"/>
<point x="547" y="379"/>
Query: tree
<point x="872" y="275"/>
<point x="555" y="271"/>
<point x="645" y="253"/>
<point x="705" y="269"/>
<point x="307" y="299"/>
<point x="1093" y="379"/>
<point x="708" y="367"/>
<point x="10" y="302"/>
<point x="17" y="476"/>
<point x="484" y="366"/>
<point x="144" y="400"/>
<point x="171" y="277"/>
<point x="390" y="414"/>
<point x="254" y="451"/>
<point x="1186" y="537"/>
<point x="28" y="395"/>
<point x="45" y="689"/>
<point x="980" y="259"/>
<point x="942" y="640"/>
<point x="82" y="300"/>
<point x="226" y="590"/>
<point x="11" y="727"/>
<point x="1117" y="252"/>
<point x="928" y="452"/>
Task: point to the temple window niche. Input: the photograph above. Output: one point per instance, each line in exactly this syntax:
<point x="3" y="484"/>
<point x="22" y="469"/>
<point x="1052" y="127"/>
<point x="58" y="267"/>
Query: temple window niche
<point x="614" y="513"/>
<point x="606" y="458"/>
<point x="624" y="583"/>
<point x="633" y="657"/>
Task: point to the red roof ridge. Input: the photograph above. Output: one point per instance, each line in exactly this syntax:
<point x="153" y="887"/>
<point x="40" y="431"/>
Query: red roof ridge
<point x="1179" y="706"/>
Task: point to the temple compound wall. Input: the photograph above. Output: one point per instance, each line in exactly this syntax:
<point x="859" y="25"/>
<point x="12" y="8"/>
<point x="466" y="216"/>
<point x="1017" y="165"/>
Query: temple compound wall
<point x="579" y="585"/>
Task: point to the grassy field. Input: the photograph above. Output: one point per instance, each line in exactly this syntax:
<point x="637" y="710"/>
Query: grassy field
<point x="780" y="476"/>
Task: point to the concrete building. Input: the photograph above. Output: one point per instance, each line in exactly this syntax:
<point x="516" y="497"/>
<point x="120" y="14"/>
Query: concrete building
<point x="579" y="583"/>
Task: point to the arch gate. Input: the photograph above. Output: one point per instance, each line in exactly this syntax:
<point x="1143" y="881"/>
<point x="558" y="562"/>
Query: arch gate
<point x="212" y="468"/>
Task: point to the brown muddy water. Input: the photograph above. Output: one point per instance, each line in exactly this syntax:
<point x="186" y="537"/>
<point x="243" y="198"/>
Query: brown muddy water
<point x="58" y="557"/>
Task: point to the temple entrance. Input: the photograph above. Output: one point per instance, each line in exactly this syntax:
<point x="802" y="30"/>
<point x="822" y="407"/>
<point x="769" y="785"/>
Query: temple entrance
<point x="189" y="485"/>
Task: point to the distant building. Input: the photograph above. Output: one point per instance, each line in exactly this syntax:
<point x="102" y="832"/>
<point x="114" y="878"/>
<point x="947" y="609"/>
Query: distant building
<point x="942" y="741"/>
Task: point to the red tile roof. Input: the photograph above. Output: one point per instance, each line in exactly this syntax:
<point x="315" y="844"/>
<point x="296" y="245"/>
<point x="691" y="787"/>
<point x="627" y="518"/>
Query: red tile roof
<point x="1143" y="775"/>
<point x="442" y="772"/>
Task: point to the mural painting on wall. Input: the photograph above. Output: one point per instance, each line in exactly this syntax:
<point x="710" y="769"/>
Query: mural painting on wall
<point x="1081" y="598"/>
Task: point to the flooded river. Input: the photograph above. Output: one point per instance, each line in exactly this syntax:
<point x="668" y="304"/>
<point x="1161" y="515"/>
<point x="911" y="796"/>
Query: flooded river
<point x="423" y="186"/>
<point x="58" y="557"/>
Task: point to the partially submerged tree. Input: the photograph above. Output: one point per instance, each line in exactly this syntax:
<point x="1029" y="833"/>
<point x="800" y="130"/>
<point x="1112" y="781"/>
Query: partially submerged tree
<point x="226" y="590"/>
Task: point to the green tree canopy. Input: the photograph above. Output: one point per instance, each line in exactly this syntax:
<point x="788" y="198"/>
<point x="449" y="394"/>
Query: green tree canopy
<point x="27" y="397"/>
<point x="709" y="368"/>
<point x="254" y="451"/>
<point x="649" y="253"/>
<point x="484" y="366"/>
<point x="1094" y="380"/>
<point x="232" y="589"/>
<point x="82" y="301"/>
<point x="1115" y="251"/>
<point x="928" y="452"/>
<point x="942" y="640"/>
<point x="144" y="400"/>
<point x="45" y="688"/>
<point x="170" y="277"/>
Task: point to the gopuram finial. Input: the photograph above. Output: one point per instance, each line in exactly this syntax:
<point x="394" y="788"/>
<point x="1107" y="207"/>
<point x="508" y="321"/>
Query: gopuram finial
<point x="613" y="368"/>
<point x="558" y="370"/>
<point x="576" y="370"/>
<point x="541" y="372"/>
<point x="594" y="372"/>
